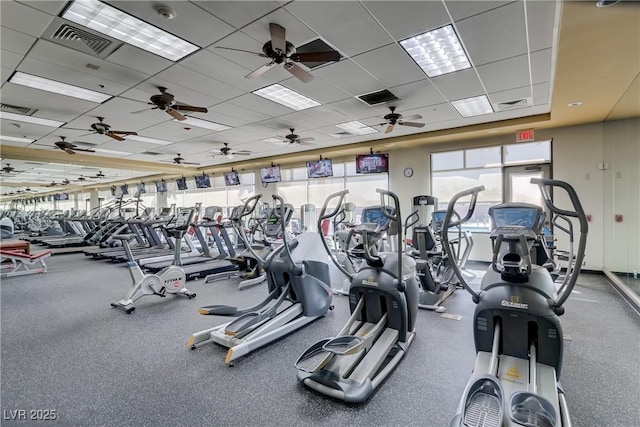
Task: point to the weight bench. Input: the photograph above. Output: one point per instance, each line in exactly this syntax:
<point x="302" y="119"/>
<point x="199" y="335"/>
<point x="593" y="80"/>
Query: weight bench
<point x="21" y="263"/>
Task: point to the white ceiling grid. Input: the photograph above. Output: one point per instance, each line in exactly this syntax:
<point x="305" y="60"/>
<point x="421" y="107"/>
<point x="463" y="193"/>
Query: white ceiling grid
<point x="510" y="45"/>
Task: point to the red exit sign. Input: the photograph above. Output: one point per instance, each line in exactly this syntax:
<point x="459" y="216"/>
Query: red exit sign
<point x="525" y="135"/>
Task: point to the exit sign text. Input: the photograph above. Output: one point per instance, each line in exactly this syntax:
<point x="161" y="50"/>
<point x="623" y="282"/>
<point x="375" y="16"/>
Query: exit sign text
<point x="524" y="135"/>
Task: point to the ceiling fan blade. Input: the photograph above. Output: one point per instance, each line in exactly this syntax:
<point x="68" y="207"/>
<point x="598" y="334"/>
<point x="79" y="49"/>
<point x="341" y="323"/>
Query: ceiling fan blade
<point x="260" y="71"/>
<point x="123" y="132"/>
<point x="114" y="136"/>
<point x="307" y="139"/>
<point x="69" y="151"/>
<point x="389" y="129"/>
<point x="306" y="142"/>
<point x="173" y="113"/>
<point x="241" y="153"/>
<point x="299" y="70"/>
<point x="189" y="163"/>
<point x="414" y="117"/>
<point x="316" y="56"/>
<point x="412" y="124"/>
<point x="278" y="39"/>
<point x="242" y="50"/>
<point x="185" y="107"/>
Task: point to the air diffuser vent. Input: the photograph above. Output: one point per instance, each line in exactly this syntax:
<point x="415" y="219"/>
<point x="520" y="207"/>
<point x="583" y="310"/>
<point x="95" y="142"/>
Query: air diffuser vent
<point x="375" y="98"/>
<point x="316" y="45"/>
<point x="15" y="109"/>
<point x="343" y="134"/>
<point x="515" y="104"/>
<point x="81" y="39"/>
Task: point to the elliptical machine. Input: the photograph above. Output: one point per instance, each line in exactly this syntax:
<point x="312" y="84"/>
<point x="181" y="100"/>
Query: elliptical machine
<point x="517" y="332"/>
<point x="169" y="280"/>
<point x="383" y="298"/>
<point x="299" y="292"/>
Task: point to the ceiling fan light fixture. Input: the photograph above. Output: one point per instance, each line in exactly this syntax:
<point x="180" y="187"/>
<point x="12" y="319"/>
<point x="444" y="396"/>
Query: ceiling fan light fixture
<point x="30" y="119"/>
<point x="476" y="106"/>
<point x="60" y="88"/>
<point x="438" y="51"/>
<point x="287" y="97"/>
<point x="206" y="124"/>
<point x="114" y="23"/>
<point x="357" y="128"/>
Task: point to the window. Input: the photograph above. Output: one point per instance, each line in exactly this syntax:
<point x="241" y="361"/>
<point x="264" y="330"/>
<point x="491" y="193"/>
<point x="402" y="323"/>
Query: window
<point x="454" y="171"/>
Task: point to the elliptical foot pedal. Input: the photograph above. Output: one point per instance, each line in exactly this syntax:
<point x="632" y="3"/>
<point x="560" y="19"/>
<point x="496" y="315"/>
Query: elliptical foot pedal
<point x="483" y="406"/>
<point x="344" y="345"/>
<point x="243" y="323"/>
<point x="529" y="409"/>
<point x="314" y="358"/>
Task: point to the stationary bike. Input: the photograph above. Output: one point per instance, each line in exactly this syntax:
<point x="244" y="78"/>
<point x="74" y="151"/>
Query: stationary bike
<point x="517" y="330"/>
<point x="169" y="280"/>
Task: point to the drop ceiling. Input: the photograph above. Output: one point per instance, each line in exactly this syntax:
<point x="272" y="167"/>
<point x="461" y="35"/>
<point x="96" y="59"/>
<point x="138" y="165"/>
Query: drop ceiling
<point x="521" y="54"/>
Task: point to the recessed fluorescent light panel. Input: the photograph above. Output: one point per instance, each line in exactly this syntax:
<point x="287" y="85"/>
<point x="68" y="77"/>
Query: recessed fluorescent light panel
<point x="206" y="124"/>
<point x="122" y="26"/>
<point x="437" y="52"/>
<point x="273" y="140"/>
<point x="30" y="119"/>
<point x="41" y="83"/>
<point x="357" y="128"/>
<point x="286" y="97"/>
<point x="149" y="140"/>
<point x="475" y="106"/>
<point x="105" y="151"/>
<point x="16" y="139"/>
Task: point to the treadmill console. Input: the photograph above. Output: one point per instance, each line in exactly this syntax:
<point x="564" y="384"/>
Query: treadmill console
<point x="184" y="219"/>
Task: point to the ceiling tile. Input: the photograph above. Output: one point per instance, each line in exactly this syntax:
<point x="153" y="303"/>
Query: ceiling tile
<point x="213" y="89"/>
<point x="417" y="94"/>
<point x="52" y="7"/>
<point x="403" y="19"/>
<point x="10" y="59"/>
<point x="24" y="19"/>
<point x="349" y="77"/>
<point x="138" y="59"/>
<point x="466" y="8"/>
<point x="296" y="32"/>
<point x="541" y="94"/>
<point x="541" y="23"/>
<point x="459" y="85"/>
<point x="317" y="89"/>
<point x="234" y="115"/>
<point x="238" y="13"/>
<point x="354" y="109"/>
<point x="404" y="69"/>
<point x="261" y="105"/>
<point x="50" y="105"/>
<point x="541" y="66"/>
<point x="15" y="41"/>
<point x="506" y="74"/>
<point x="494" y="35"/>
<point x="338" y="21"/>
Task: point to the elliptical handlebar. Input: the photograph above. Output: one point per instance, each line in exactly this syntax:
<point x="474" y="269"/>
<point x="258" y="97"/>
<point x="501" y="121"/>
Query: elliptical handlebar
<point x="446" y="224"/>
<point x="250" y="205"/>
<point x="324" y="215"/>
<point x="545" y="186"/>
<point x="334" y="211"/>
<point x="394" y="217"/>
<point x="248" y="208"/>
<point x="296" y="269"/>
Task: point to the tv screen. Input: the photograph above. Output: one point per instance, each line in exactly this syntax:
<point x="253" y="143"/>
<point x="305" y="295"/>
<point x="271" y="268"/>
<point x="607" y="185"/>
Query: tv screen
<point x="64" y="196"/>
<point x="124" y="189"/>
<point x="113" y="190"/>
<point x="49" y="198"/>
<point x="56" y="197"/>
<point x="181" y="183"/>
<point x="372" y="163"/>
<point x="271" y="174"/>
<point x="319" y="168"/>
<point x="142" y="188"/>
<point x="231" y="178"/>
<point x="161" y="186"/>
<point x="203" y="181"/>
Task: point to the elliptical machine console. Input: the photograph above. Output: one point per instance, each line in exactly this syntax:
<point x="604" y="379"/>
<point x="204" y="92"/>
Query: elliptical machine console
<point x="517" y="331"/>
<point x="383" y="298"/>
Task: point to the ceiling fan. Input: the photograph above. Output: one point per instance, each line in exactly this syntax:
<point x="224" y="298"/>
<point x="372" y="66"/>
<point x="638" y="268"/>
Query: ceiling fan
<point x="394" y="118"/>
<point x="8" y="169"/>
<point x="102" y="128"/>
<point x="292" y="138"/>
<point x="280" y="51"/>
<point x="82" y="178"/>
<point x="69" y="147"/>
<point x="98" y="175"/>
<point x="179" y="161"/>
<point x="55" y="184"/>
<point x="229" y="153"/>
<point x="166" y="102"/>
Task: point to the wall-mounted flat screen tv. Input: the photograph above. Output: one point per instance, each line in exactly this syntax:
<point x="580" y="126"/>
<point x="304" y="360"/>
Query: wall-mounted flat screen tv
<point x="161" y="186"/>
<point x="141" y="188"/>
<point x="203" y="181"/>
<point x="372" y="163"/>
<point x="231" y="178"/>
<point x="181" y="183"/>
<point x="319" y="168"/>
<point x="271" y="174"/>
<point x="124" y="188"/>
<point x="64" y="196"/>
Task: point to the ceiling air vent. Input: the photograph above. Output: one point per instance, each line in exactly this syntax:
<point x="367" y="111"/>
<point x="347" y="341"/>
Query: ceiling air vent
<point x="80" y="38"/>
<point x="343" y="134"/>
<point x="515" y="104"/>
<point x="375" y="98"/>
<point x="316" y="45"/>
<point x="86" y="144"/>
<point x="15" y="109"/>
<point x="151" y="153"/>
